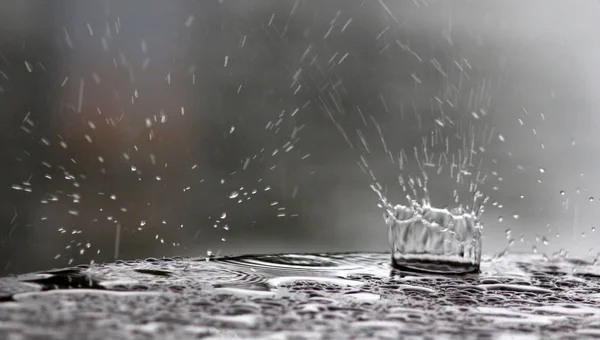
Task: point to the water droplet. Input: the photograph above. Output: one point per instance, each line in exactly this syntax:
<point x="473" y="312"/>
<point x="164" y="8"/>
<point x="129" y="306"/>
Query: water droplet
<point x="545" y="241"/>
<point x="234" y="194"/>
<point x="223" y="216"/>
<point x="593" y="228"/>
<point x="516" y="216"/>
<point x="501" y="138"/>
<point x="562" y="192"/>
<point x="500" y="219"/>
<point x="534" y="249"/>
<point x="542" y="170"/>
<point x="591" y="199"/>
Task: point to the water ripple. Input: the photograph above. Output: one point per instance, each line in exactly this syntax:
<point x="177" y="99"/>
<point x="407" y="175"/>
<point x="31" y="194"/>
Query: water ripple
<point x="312" y="296"/>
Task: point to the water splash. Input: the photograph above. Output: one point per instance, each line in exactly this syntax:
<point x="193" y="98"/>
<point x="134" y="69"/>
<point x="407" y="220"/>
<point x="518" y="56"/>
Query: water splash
<point x="426" y="238"/>
<point x="431" y="239"/>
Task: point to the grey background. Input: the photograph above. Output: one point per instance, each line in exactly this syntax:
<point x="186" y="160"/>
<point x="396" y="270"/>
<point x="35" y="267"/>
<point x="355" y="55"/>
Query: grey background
<point x="256" y="77"/>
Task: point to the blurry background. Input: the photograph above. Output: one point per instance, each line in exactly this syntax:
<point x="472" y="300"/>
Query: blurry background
<point x="158" y="128"/>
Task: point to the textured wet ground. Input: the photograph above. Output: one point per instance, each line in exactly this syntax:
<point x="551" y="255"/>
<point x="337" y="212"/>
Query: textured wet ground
<point x="330" y="296"/>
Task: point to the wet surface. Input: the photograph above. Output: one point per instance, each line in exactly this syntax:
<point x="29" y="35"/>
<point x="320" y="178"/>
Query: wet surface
<point x="329" y="296"/>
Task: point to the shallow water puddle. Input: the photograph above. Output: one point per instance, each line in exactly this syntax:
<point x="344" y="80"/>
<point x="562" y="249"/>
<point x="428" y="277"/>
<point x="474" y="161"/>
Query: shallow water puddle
<point x="349" y="296"/>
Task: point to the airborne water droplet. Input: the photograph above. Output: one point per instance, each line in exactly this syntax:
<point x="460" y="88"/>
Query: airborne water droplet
<point x="516" y="216"/>
<point x="542" y="170"/>
<point x="500" y="219"/>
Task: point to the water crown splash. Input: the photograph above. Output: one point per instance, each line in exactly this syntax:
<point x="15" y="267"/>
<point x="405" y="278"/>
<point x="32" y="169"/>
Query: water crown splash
<point x="429" y="239"/>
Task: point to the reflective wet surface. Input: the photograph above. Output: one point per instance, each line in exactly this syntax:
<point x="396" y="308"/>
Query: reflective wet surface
<point x="295" y="296"/>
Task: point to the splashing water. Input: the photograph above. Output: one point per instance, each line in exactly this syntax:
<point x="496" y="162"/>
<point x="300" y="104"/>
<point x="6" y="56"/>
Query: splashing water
<point x="435" y="240"/>
<point x="425" y="238"/>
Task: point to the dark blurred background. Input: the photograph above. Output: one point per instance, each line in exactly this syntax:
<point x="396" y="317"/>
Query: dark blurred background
<point x="158" y="128"/>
